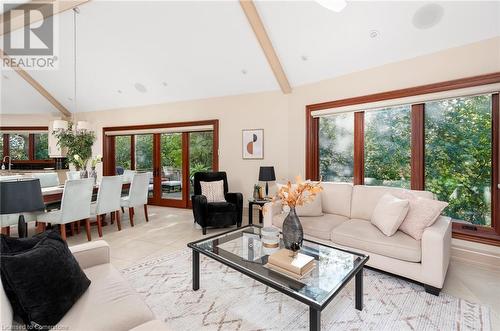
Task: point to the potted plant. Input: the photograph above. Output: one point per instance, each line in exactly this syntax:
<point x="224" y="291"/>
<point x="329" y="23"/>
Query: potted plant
<point x="78" y="143"/>
<point x="293" y="195"/>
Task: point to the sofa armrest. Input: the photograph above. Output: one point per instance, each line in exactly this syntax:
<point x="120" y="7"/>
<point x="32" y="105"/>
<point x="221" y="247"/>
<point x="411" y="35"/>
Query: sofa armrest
<point x="269" y="210"/>
<point x="436" y="245"/>
<point x="91" y="254"/>
<point x="237" y="199"/>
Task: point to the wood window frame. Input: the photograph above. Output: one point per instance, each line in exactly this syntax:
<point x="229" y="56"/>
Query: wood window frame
<point x="480" y="234"/>
<point x="109" y="160"/>
<point x="31" y="143"/>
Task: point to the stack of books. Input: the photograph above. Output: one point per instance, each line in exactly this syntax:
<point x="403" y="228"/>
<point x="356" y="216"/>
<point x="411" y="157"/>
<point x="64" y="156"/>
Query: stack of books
<point x="296" y="266"/>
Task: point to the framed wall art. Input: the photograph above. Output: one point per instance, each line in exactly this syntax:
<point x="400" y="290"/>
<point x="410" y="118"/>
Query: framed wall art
<point x="253" y="144"/>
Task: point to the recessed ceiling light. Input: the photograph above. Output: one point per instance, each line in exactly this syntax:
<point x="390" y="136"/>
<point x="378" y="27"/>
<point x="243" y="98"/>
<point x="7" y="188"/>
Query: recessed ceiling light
<point x="334" y="5"/>
<point x="374" y="34"/>
<point x="427" y="16"/>
<point x="119" y="91"/>
<point x="70" y="99"/>
<point x="5" y="76"/>
<point x="244" y="72"/>
<point x="304" y="58"/>
<point x="140" y="88"/>
<point x="164" y="84"/>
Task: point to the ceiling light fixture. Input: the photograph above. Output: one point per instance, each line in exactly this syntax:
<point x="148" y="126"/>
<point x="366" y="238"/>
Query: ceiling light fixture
<point x="374" y="34"/>
<point x="140" y="87"/>
<point x="164" y="84"/>
<point x="333" y="5"/>
<point x="304" y="58"/>
<point x="119" y="91"/>
<point x="244" y="72"/>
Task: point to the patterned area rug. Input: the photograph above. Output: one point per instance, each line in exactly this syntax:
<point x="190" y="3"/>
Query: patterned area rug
<point x="228" y="300"/>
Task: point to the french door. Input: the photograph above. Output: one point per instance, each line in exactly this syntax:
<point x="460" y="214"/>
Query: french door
<point x="171" y="154"/>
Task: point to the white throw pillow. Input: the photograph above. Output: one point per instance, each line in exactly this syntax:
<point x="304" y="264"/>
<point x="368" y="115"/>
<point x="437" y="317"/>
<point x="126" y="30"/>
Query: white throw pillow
<point x="214" y="191"/>
<point x="389" y="213"/>
<point x="313" y="208"/>
<point x="422" y="214"/>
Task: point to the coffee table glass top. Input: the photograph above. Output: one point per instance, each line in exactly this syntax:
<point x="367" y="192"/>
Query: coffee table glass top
<point x="242" y="249"/>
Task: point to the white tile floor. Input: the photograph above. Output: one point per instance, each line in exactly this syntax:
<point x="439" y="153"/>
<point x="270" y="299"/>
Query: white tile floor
<point x="170" y="229"/>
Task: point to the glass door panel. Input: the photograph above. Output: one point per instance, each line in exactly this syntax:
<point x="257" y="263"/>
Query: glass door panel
<point x="201" y="154"/>
<point x="171" y="166"/>
<point x="144" y="157"/>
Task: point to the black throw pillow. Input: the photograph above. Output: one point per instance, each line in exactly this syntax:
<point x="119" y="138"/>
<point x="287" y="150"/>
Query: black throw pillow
<point x="41" y="278"/>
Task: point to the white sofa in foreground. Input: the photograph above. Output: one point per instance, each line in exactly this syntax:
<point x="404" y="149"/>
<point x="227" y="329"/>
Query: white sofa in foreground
<point x="109" y="303"/>
<point x="345" y="223"/>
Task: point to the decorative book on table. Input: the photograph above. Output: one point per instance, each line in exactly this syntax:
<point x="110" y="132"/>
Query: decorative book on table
<point x="298" y="265"/>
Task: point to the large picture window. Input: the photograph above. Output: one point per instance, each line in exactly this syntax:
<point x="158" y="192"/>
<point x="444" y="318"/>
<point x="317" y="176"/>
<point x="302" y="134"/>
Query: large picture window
<point x="447" y="144"/>
<point x="387" y="147"/>
<point x="458" y="156"/>
<point x="25" y="146"/>
<point x="336" y="148"/>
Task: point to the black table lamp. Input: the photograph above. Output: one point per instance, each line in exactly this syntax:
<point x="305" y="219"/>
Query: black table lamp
<point x="21" y="196"/>
<point x="266" y="174"/>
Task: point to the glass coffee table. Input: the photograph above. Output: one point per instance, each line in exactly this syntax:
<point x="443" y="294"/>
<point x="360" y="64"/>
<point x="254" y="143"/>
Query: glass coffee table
<point x="242" y="250"/>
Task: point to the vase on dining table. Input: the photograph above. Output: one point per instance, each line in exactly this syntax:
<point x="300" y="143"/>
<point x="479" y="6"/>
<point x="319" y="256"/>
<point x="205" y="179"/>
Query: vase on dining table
<point x="293" y="233"/>
<point x="93" y="175"/>
<point x="84" y="174"/>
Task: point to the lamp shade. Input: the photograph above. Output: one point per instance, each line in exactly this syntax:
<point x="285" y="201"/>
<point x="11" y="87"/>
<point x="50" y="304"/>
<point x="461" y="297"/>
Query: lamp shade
<point x="266" y="174"/>
<point x="83" y="125"/>
<point x="20" y="196"/>
<point x="59" y="125"/>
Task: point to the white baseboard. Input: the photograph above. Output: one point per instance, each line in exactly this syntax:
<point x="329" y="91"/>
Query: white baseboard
<point x="486" y="256"/>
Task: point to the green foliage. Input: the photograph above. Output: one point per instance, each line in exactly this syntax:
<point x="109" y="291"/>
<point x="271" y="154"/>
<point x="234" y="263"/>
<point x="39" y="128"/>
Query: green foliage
<point x="200" y="151"/>
<point x="458" y="156"/>
<point x="77" y="142"/>
<point x="457" y="152"/>
<point x="18" y="146"/>
<point x="387" y="147"/>
<point x="122" y="151"/>
<point x="41" y="146"/>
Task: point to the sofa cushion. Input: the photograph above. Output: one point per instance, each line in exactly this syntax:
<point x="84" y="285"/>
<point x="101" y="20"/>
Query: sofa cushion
<point x="389" y="214"/>
<point x="319" y="227"/>
<point x="365" y="198"/>
<point x="109" y="304"/>
<point x="313" y="208"/>
<point x="336" y="198"/>
<point x="41" y="277"/>
<point x="422" y="214"/>
<point x="361" y="234"/>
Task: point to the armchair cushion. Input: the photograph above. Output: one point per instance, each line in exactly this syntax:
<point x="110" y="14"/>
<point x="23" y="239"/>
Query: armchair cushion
<point x="221" y="207"/>
<point x="43" y="281"/>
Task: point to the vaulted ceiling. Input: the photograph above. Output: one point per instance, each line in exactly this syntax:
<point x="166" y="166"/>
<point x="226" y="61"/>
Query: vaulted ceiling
<point x="137" y="52"/>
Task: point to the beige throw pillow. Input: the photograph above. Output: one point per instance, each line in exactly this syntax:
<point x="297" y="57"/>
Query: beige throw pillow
<point x="313" y="208"/>
<point x="422" y="214"/>
<point x="389" y="213"/>
<point x="214" y="191"/>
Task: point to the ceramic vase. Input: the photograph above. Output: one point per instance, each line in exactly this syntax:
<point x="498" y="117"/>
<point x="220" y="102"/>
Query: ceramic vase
<point x="293" y="233"/>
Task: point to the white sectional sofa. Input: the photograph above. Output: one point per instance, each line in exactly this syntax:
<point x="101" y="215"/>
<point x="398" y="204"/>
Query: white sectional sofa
<point x="109" y="304"/>
<point x="345" y="223"/>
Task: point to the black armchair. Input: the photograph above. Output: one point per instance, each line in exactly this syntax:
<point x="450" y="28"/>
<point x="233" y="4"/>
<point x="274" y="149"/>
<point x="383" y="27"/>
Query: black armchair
<point x="216" y="214"/>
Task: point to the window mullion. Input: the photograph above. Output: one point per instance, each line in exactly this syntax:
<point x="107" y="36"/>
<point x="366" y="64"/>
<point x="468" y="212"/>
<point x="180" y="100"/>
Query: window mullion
<point x="359" y="148"/>
<point x="417" y="147"/>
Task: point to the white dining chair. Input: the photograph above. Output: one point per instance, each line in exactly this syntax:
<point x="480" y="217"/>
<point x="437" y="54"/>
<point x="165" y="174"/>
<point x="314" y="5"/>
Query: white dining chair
<point x="72" y="175"/>
<point x="128" y="175"/>
<point x="8" y="220"/>
<point x="138" y="196"/>
<point x="47" y="179"/>
<point x="75" y="206"/>
<point x="108" y="201"/>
